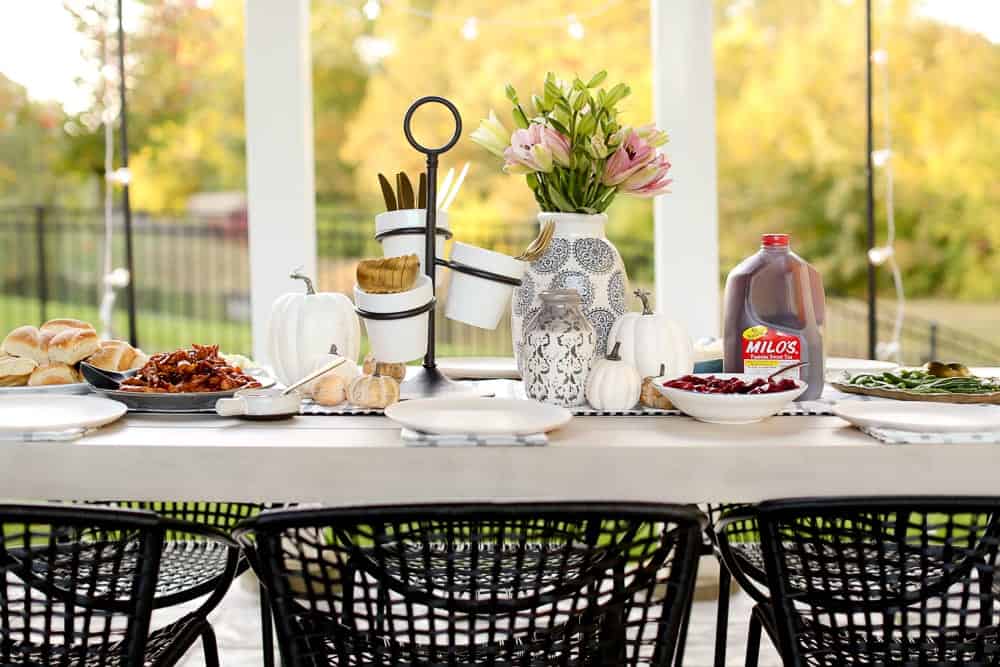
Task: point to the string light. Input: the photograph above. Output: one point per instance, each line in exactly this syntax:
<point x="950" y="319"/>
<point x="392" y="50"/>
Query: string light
<point x="470" y="29"/>
<point x="575" y="27"/>
<point x="120" y="176"/>
<point x="886" y="254"/>
<point x="371" y="9"/>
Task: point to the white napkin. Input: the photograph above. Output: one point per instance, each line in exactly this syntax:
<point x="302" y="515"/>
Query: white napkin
<point x="419" y="439"/>
<point x="895" y="437"/>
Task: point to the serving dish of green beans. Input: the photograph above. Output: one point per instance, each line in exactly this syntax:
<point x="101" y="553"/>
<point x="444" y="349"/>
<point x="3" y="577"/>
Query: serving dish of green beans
<point x="915" y="384"/>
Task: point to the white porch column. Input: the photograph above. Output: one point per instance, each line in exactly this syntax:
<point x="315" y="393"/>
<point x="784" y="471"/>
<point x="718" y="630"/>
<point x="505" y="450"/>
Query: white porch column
<point x="686" y="221"/>
<point x="281" y="190"/>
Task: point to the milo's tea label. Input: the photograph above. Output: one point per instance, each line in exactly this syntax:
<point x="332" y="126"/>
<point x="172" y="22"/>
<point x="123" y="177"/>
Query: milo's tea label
<point x="767" y="350"/>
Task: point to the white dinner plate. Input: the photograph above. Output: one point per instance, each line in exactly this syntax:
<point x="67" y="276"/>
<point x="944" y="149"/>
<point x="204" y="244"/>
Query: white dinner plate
<point x="74" y="388"/>
<point x="481" y="416"/>
<point x="479" y="368"/>
<point x="23" y="414"/>
<point x="920" y="417"/>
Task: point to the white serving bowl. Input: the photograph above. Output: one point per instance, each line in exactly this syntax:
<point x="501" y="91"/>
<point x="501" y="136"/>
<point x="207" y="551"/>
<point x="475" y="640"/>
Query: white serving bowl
<point x="402" y="340"/>
<point x="728" y="408"/>
<point x="477" y="301"/>
<point x="410" y="244"/>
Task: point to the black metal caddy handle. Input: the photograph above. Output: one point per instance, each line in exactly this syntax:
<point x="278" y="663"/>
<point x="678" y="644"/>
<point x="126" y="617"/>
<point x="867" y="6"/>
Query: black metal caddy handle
<point x="430" y="231"/>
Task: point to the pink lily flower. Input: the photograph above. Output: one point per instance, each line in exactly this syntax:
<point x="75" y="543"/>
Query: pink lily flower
<point x="535" y="149"/>
<point x="652" y="136"/>
<point x="650" y="180"/>
<point x="558" y="143"/>
<point x="634" y="154"/>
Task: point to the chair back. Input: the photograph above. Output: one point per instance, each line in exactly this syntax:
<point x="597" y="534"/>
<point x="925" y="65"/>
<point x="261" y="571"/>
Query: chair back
<point x="883" y="580"/>
<point x="76" y="584"/>
<point x="487" y="584"/>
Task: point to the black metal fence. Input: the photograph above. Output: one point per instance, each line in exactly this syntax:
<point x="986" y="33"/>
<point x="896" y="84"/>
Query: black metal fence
<point x="192" y="281"/>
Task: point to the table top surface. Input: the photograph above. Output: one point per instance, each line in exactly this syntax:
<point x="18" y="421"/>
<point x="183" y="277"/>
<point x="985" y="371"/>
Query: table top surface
<point x="361" y="459"/>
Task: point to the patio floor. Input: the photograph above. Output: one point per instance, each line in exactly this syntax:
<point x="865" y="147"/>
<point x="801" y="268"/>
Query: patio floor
<point x="237" y="625"/>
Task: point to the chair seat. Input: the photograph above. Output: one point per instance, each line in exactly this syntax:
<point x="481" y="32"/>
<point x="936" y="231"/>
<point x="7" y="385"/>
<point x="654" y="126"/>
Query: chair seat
<point x="170" y="641"/>
<point x="369" y="650"/>
<point x="823" y="645"/>
<point x="453" y="569"/>
<point x="188" y="570"/>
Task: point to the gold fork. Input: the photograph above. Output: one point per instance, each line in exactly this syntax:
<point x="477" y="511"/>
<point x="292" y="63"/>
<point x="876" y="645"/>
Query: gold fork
<point x="539" y="244"/>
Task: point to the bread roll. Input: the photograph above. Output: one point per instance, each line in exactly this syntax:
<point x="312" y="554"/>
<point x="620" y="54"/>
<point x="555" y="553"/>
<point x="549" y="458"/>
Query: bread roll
<point x="14" y="380"/>
<point x="73" y="345"/>
<point x="16" y="365"/>
<point x="114" y="355"/>
<point x="26" y="341"/>
<point x="62" y="324"/>
<point x="50" y="374"/>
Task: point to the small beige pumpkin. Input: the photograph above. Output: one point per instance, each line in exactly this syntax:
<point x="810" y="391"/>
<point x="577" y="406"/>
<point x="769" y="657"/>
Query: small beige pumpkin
<point x="651" y="397"/>
<point x="330" y="390"/>
<point x="373" y="391"/>
<point x="371" y="367"/>
<point x="613" y="384"/>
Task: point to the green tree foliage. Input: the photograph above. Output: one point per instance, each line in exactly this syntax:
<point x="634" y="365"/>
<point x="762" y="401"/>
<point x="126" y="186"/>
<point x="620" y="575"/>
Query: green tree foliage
<point x="790" y="119"/>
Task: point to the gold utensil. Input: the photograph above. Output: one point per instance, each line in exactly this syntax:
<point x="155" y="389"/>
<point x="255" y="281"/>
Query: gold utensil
<point x="387" y="194"/>
<point x="422" y="191"/>
<point x="540" y="244"/>
<point x="404" y="191"/>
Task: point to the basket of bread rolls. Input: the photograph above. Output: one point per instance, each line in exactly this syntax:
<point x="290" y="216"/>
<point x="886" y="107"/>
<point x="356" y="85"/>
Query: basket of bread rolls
<point x="50" y="355"/>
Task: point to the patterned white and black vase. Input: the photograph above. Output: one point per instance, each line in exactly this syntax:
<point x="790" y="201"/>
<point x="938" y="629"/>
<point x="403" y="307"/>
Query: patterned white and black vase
<point x="558" y="349"/>
<point x="580" y="257"/>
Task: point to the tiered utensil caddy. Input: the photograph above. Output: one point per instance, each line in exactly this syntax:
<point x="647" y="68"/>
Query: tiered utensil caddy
<point x="428" y="380"/>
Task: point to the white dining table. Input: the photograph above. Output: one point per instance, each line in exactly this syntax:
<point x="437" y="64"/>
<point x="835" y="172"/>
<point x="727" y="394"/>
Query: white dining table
<point x="361" y="459"/>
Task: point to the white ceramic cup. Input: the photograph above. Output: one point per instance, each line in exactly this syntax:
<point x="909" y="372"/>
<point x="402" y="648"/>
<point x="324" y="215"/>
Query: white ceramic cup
<point x="409" y="244"/>
<point x="397" y="341"/>
<point x="475" y="300"/>
<point x="258" y="402"/>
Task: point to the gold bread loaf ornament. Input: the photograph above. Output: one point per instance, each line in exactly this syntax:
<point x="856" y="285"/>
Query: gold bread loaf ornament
<point x="388" y="275"/>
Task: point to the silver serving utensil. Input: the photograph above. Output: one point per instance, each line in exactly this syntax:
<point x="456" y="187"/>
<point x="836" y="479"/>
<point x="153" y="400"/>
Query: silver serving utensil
<point x="455" y="188"/>
<point x="786" y="369"/>
<point x="104" y="379"/>
<point x="443" y="190"/>
<point x="315" y="374"/>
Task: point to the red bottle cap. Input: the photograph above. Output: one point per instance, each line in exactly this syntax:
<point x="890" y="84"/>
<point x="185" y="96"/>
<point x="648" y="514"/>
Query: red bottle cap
<point x="774" y="240"/>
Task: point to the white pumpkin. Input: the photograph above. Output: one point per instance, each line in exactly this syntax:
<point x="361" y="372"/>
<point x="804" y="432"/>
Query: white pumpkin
<point x="303" y="326"/>
<point x="649" y="340"/>
<point x="347" y="370"/>
<point x="373" y="391"/>
<point x="613" y="384"/>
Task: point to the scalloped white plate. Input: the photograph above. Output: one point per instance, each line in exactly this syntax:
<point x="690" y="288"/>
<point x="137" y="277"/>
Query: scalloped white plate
<point x="25" y="414"/>
<point x="920" y="417"/>
<point x="479" y="416"/>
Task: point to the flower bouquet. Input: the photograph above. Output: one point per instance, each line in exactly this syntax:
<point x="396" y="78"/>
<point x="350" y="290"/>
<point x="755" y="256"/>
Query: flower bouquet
<point x="573" y="151"/>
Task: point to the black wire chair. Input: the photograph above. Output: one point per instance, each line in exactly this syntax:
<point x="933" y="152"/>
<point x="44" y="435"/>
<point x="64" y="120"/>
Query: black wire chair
<point x="878" y="581"/>
<point x="78" y="586"/>
<point x="480" y="584"/>
<point x="742" y="560"/>
<point x="193" y="565"/>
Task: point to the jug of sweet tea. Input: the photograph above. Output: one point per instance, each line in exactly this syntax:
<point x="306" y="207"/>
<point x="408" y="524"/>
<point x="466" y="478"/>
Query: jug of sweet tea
<point x="775" y="309"/>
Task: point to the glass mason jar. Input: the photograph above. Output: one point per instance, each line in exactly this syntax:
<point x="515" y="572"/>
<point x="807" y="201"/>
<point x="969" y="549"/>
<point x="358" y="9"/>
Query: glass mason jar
<point x="557" y="350"/>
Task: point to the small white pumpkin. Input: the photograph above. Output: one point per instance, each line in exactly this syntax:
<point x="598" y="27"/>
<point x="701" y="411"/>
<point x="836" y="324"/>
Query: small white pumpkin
<point x="373" y="391"/>
<point x="330" y="390"/>
<point x="613" y="384"/>
<point x="347" y="370"/>
<point x="303" y="326"/>
<point x="649" y="340"/>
